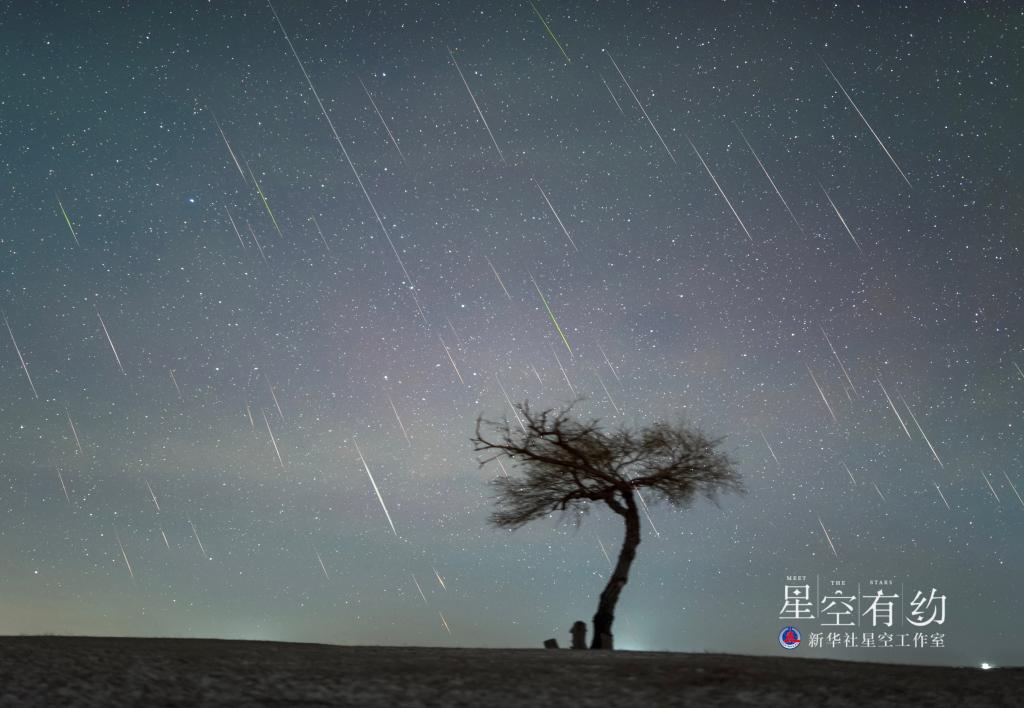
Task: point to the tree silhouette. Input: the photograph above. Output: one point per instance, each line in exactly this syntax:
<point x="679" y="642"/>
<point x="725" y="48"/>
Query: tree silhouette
<point x="567" y="465"/>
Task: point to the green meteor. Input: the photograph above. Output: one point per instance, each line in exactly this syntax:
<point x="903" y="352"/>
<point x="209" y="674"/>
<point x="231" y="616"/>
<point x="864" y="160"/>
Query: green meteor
<point x="552" y="316"/>
<point x="265" y="204"/>
<point x="68" y="220"/>
<point x="550" y="33"/>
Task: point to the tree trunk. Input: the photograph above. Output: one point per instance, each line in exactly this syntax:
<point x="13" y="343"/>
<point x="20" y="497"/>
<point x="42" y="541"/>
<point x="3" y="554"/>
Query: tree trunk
<point x="620" y="575"/>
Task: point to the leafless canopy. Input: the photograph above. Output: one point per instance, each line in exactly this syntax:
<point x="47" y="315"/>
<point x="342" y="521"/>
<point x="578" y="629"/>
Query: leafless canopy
<point x="564" y="464"/>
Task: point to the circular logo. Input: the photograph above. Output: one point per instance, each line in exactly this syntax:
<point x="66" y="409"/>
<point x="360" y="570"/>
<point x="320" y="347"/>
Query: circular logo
<point x="789" y="637"/>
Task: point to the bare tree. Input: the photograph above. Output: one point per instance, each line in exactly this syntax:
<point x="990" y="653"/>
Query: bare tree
<point x="564" y="464"/>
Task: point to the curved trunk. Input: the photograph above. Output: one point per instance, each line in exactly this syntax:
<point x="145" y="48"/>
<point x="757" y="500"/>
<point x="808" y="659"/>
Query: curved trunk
<point x="620" y="575"/>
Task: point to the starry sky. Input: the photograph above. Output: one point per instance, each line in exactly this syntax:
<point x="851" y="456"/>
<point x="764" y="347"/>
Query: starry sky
<point x="750" y="216"/>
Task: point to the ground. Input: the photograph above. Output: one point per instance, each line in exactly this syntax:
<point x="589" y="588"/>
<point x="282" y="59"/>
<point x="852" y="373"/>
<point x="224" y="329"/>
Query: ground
<point x="109" y="672"/>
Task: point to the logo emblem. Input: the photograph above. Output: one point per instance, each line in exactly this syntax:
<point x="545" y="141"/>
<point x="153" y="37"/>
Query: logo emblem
<point x="789" y="638"/>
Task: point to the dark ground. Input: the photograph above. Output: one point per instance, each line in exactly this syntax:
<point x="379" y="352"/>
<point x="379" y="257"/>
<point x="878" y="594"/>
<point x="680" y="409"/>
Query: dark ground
<point x="83" y="671"/>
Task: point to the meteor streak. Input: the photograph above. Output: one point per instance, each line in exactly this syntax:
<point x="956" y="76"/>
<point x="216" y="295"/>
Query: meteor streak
<point x="828" y="537"/>
<point x="235" y="227"/>
<point x="557" y="218"/>
<point x="166" y="542"/>
<point x="24" y="367"/>
<point x="640" y="105"/>
<point x="375" y="489"/>
<point x="943" y="496"/>
<point x="550" y="33"/>
<point x="63" y="486"/>
<point x="830" y="411"/>
<point x="448" y="352"/>
<point x="552" y="316"/>
<point x="878" y="139"/>
<point x="765" y="170"/>
<point x="1013" y="487"/>
<point x="258" y="246"/>
<point x="123" y="554"/>
<point x="322" y="567"/>
<point x="914" y="418"/>
<point x="495" y="271"/>
<point x="110" y="341"/>
<point x="151" y="494"/>
<point x="274" y="396"/>
<point x="266" y="204"/>
<point x="383" y="122"/>
<point x="617" y="104"/>
<point x="400" y="425"/>
<point x="848" y="472"/>
<point x="562" y="369"/>
<point x="352" y="166"/>
<point x="175" y="382"/>
<point x="720" y="190"/>
<point x="893" y="406"/>
<point x="769" y="446"/>
<point x="845" y="226"/>
<point x="78" y="443"/>
<point x="445" y="623"/>
<point x="991" y="488"/>
<point x="878" y="490"/>
<point x="196" y="534"/>
<point x="609" y="363"/>
<point x="509" y="402"/>
<point x="838" y="361"/>
<point x="273" y="440"/>
<point x="228" y="145"/>
<point x="417" y="582"/>
<point x="608" y="394"/>
<point x="477" y="106"/>
<point x="439" y="578"/>
<point x="68" y="220"/>
<point x="317" y="225"/>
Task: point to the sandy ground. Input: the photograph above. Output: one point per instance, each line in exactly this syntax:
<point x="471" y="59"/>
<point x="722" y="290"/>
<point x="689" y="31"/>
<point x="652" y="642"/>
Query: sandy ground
<point x="81" y="671"/>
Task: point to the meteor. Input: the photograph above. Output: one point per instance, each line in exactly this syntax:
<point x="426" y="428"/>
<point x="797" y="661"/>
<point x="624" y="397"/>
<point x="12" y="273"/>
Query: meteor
<point x="1013" y="487"/>
<point x="838" y="361"/>
<point x="266" y="204"/>
<point x="352" y="166"/>
<point x="153" y="496"/>
<point x="845" y="226"/>
<point x="439" y="578"/>
<point x="274" y="396"/>
<point x="893" y="406"/>
<point x="991" y="488"/>
<point x="258" y="246"/>
<point x="382" y="121"/>
<point x="228" y="145"/>
<point x="552" y="316"/>
<point x="400" y="425"/>
<point x="509" y="402"/>
<point x="765" y="170"/>
<point x="477" y="106"/>
<point x="878" y="139"/>
<point x="769" y="446"/>
<point x="604" y="551"/>
<point x="445" y="623"/>
<point x="609" y="395"/>
<point x="110" y="341"/>
<point x="606" y="361"/>
<point x="848" y="472"/>
<point x="943" y="496"/>
<point x="617" y="104"/>
<point x="317" y="225"/>
<point x="914" y="418"/>
<point x="830" y="411"/>
<point x="829" y="538"/>
<point x="550" y="33"/>
<point x="123" y="554"/>
<point x="63" y="486"/>
<point x="448" y="352"/>
<point x="24" y="367"/>
<point x="417" y="582"/>
<point x="641" y="106"/>
<point x="175" y="382"/>
<point x="557" y="218"/>
<point x="720" y="190"/>
<point x="196" y="534"/>
<point x="322" y="567"/>
<point x="375" y="489"/>
<point x="562" y="369"/>
<point x="273" y="440"/>
<point x="239" y="235"/>
<point x="166" y="542"/>
<point x="878" y="490"/>
<point x="68" y="220"/>
<point x="495" y="271"/>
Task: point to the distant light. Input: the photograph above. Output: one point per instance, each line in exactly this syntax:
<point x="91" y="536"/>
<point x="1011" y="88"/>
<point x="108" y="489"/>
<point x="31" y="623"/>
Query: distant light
<point x="986" y="666"/>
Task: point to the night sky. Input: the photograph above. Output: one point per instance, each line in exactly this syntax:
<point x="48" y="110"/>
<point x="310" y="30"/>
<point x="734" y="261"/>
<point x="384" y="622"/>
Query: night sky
<point x="219" y="355"/>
